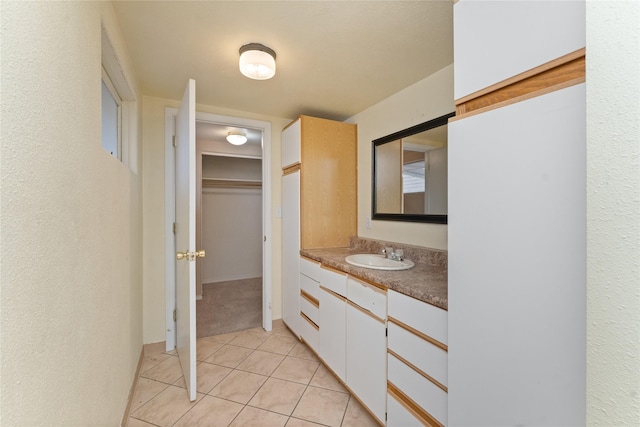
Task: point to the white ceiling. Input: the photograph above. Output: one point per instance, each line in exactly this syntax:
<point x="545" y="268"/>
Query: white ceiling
<point x="334" y="58"/>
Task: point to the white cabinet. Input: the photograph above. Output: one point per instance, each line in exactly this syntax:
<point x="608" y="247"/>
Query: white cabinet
<point x="517" y="263"/>
<point x="417" y="362"/>
<point x="291" y="144"/>
<point x="333" y="321"/>
<point x="291" y="252"/>
<point x="309" y="303"/>
<point x="497" y="40"/>
<point x="367" y="345"/>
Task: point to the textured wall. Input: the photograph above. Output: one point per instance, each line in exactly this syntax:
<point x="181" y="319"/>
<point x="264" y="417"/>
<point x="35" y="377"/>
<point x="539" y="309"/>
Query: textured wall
<point x="425" y="100"/>
<point x="613" y="213"/>
<point x="71" y="225"/>
<point x="153" y="217"/>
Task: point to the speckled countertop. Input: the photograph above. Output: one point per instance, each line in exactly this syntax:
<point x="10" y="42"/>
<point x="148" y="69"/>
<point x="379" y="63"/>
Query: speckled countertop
<point x="425" y="281"/>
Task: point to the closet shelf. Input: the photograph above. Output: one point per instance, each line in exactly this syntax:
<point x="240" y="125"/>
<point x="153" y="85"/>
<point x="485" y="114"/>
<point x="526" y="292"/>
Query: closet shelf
<point x="231" y="183"/>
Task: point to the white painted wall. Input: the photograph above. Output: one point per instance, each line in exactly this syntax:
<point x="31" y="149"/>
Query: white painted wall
<point x="71" y="294"/>
<point x="422" y="101"/>
<point x="153" y="209"/>
<point x="231" y="234"/>
<point x="613" y="213"/>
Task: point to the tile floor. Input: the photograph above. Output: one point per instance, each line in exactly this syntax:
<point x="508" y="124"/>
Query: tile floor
<point x="248" y="378"/>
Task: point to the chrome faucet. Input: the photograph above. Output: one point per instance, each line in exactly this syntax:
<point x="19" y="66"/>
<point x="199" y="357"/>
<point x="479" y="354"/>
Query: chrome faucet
<point x="396" y="255"/>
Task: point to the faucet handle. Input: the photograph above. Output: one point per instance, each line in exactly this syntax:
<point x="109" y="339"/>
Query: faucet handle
<point x="399" y="253"/>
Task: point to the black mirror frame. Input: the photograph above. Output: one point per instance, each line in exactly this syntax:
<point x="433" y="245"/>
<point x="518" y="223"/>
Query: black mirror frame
<point x="428" y="218"/>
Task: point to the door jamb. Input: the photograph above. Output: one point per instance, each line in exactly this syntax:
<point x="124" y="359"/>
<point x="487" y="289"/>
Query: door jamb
<point x="170" y="250"/>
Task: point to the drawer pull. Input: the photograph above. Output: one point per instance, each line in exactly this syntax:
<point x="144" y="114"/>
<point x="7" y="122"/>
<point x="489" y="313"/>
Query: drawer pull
<point x="418" y="370"/>
<point x="418" y="333"/>
<point x="412" y="406"/>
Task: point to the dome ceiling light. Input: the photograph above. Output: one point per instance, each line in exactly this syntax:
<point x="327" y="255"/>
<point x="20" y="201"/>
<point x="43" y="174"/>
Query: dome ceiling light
<point x="257" y="61"/>
<point x="236" y="138"/>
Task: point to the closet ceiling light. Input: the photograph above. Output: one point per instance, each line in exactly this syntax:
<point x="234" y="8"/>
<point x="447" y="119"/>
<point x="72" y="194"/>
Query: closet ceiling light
<point x="236" y="138"/>
<point x="257" y="61"/>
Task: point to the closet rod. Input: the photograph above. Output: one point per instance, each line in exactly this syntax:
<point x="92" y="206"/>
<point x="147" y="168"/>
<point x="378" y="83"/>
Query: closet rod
<point x="230" y="183"/>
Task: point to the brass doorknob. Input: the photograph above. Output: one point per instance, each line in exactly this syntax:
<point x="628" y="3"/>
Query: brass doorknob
<point x="181" y="255"/>
<point x="200" y="253"/>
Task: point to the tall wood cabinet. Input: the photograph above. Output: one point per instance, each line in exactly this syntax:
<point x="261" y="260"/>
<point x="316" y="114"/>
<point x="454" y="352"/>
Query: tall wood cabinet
<point x="319" y="199"/>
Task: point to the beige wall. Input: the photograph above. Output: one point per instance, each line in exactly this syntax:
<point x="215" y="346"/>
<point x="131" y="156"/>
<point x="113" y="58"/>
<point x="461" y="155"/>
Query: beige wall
<point x="71" y="293"/>
<point x="425" y="100"/>
<point x="153" y="207"/>
<point x="613" y="213"/>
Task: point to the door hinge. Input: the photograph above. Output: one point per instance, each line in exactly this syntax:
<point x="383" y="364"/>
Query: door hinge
<point x="174" y="141"/>
<point x="386" y="332"/>
<point x="174" y="315"/>
<point x="174" y="228"/>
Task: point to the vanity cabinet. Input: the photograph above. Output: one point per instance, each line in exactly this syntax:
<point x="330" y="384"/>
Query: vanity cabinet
<point x="319" y="196"/>
<point x="333" y="320"/>
<point x="366" y="347"/>
<point x="309" y="303"/>
<point x="417" y="362"/>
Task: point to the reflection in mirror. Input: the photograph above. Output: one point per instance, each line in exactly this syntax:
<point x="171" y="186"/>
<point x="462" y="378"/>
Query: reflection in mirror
<point x="410" y="173"/>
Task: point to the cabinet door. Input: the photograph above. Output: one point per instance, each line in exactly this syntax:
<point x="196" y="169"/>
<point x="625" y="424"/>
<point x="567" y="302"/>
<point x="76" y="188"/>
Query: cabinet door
<point x="333" y="331"/>
<point x="291" y="144"/>
<point x="291" y="251"/>
<point x="495" y="40"/>
<point x="517" y="261"/>
<point x="367" y="358"/>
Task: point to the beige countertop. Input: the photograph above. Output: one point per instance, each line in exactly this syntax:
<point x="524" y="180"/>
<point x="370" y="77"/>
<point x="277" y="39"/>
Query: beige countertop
<point x="425" y="282"/>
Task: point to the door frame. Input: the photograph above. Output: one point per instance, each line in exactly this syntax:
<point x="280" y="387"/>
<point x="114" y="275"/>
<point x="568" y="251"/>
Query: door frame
<point x="267" y="231"/>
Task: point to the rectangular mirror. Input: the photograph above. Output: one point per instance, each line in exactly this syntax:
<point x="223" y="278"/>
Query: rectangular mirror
<point x="409" y="174"/>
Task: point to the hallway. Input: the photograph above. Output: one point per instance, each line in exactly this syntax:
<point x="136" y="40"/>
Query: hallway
<point x="247" y="378"/>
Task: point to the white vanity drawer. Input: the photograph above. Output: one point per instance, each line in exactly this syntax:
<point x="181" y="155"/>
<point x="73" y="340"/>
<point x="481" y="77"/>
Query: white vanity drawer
<point x="423" y="392"/>
<point x="422" y="354"/>
<point x="426" y="318"/>
<point x="334" y="281"/>
<point x="310" y="332"/>
<point x="310" y="286"/>
<point x="310" y="268"/>
<point x="368" y="297"/>
<point x="310" y="308"/>
<point x="399" y="416"/>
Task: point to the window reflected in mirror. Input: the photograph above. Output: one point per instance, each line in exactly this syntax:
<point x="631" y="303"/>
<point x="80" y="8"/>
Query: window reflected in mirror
<point x="410" y="173"/>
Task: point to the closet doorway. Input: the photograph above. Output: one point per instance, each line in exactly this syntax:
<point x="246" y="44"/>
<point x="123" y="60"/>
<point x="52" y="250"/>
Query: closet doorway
<point x="233" y="226"/>
<point x="229" y="227"/>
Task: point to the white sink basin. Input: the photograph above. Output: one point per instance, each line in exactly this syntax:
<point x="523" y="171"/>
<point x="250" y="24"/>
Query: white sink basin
<point x="378" y="262"/>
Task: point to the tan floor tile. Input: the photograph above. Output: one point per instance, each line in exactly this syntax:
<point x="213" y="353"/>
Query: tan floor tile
<point x="132" y="422"/>
<point x="285" y="332"/>
<point x="280" y="344"/>
<point x="208" y="376"/>
<point x="324" y="378"/>
<point x="173" y="352"/>
<point x="229" y="356"/>
<point x="254" y="417"/>
<point x="357" y="416"/>
<point x="205" y="348"/>
<point x="302" y="351"/>
<point x="278" y="396"/>
<point x="210" y="412"/>
<point x="297" y="370"/>
<point x="166" y="408"/>
<point x="259" y="330"/>
<point x="223" y="338"/>
<point x="249" y="340"/>
<point x="146" y="389"/>
<point x="167" y="372"/>
<point x="261" y="362"/>
<point x="322" y="406"/>
<point x="238" y="386"/>
<point x="295" y="422"/>
<point x="151" y="360"/>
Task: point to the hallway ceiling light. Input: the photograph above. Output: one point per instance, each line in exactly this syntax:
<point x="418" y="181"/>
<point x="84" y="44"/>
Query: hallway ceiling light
<point x="257" y="61"/>
<point x="236" y="138"/>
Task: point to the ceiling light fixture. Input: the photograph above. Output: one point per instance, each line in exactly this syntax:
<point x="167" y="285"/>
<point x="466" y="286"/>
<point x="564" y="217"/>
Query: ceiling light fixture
<point x="257" y="61"/>
<point x="236" y="138"/>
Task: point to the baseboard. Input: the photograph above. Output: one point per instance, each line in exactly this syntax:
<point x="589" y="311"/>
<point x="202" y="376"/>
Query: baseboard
<point x="132" y="391"/>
